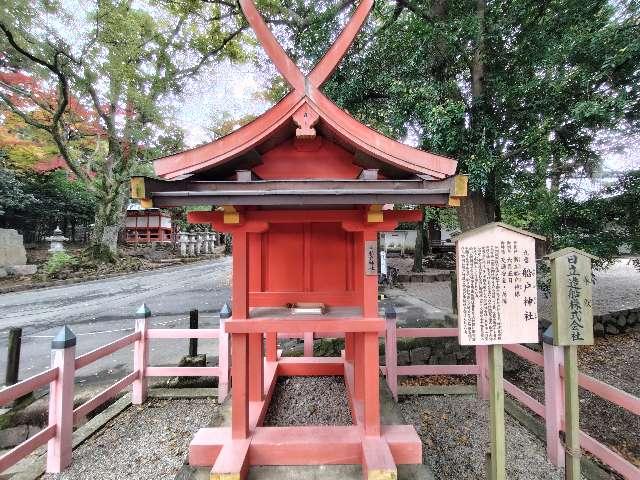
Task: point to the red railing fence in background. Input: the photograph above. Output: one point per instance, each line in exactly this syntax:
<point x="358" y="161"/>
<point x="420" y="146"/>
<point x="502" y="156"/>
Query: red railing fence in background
<point x="61" y="377"/>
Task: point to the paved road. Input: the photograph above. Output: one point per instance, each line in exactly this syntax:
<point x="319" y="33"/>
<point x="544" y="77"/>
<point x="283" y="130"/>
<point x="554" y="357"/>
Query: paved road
<point x="103" y="310"/>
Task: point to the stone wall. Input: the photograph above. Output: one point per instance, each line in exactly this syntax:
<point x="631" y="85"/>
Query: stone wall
<point x="612" y="323"/>
<point x="617" y="322"/>
<point x="433" y="351"/>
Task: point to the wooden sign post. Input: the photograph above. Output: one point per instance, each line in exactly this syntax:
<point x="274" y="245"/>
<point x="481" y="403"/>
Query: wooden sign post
<point x="571" y="289"/>
<point x="497" y="300"/>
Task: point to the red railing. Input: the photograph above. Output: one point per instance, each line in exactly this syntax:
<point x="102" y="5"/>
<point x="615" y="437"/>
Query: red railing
<point x="552" y="411"/>
<point x="61" y="379"/>
<point x="62" y="416"/>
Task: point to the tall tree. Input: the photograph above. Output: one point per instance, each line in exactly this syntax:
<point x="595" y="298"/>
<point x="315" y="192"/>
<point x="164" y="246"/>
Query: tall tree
<point x="519" y="91"/>
<point x="118" y="63"/>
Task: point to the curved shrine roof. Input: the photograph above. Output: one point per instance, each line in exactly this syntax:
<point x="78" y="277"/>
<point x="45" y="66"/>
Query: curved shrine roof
<point x="304" y="113"/>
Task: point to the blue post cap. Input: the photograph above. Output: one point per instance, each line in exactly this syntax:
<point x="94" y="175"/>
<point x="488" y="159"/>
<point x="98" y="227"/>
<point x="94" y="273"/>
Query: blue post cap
<point x="389" y="311"/>
<point x="143" y="311"/>
<point x="64" y="339"/>
<point x="225" y="311"/>
<point x="547" y="336"/>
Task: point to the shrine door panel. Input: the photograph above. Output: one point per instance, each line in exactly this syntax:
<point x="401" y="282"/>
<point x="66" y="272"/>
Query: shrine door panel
<point x="283" y="262"/>
<point x="328" y="259"/>
<point x="310" y="262"/>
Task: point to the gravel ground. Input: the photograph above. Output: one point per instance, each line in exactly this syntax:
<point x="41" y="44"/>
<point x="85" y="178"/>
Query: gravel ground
<point x="309" y="401"/>
<point x="455" y="437"/>
<point x="142" y="443"/>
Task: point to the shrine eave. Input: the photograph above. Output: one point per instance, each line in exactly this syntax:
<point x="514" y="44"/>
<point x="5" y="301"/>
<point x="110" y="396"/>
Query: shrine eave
<point x="164" y="194"/>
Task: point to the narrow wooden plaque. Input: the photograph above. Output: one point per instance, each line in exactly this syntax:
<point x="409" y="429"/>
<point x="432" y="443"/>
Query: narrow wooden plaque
<point x="571" y="286"/>
<point x="371" y="257"/>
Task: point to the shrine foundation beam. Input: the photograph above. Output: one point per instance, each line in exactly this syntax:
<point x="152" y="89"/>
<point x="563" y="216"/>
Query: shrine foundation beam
<point x="304" y="445"/>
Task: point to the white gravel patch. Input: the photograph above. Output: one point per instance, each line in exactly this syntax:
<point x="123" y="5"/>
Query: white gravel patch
<point x="142" y="443"/>
<point x="455" y="437"/>
<point x="309" y="401"/>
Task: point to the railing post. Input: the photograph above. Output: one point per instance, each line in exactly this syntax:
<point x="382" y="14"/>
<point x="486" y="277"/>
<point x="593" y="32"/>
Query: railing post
<point x="391" y="350"/>
<point x="193" y="325"/>
<point x="13" y="356"/>
<point x="308" y="344"/>
<point x="482" y="382"/>
<point x="141" y="356"/>
<point x="61" y="392"/>
<point x="553" y="402"/>
<point x="271" y="346"/>
<point x="223" y="355"/>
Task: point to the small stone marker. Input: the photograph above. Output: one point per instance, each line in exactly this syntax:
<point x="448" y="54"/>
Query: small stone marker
<point x="572" y="284"/>
<point x="497" y="304"/>
<point x="496" y="285"/>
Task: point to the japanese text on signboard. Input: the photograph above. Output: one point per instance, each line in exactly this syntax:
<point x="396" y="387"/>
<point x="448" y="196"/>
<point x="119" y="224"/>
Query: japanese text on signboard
<point x="497" y="290"/>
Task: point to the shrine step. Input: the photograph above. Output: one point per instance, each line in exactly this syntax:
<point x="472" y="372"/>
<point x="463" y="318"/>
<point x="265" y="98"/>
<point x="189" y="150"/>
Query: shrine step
<point x="310" y="366"/>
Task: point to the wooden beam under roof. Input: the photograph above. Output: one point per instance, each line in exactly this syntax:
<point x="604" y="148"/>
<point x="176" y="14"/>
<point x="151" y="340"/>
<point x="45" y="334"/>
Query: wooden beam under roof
<point x="297" y="192"/>
<point x="288" y="198"/>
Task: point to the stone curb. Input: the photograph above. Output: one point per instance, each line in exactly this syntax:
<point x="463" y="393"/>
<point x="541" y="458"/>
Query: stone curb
<point x="91" y="278"/>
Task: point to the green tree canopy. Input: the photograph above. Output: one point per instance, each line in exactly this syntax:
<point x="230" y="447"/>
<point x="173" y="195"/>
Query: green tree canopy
<point x="523" y="93"/>
<point x="97" y="80"/>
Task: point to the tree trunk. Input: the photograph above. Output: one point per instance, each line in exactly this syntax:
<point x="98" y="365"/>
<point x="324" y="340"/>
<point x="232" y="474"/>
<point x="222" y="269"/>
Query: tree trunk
<point x="426" y="240"/>
<point x="478" y="209"/>
<point x="417" y="254"/>
<point x="109" y="215"/>
<point x="475" y="210"/>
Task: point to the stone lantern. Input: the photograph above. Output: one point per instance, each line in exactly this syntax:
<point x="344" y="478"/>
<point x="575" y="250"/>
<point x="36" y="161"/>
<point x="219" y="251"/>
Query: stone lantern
<point x="184" y="241"/>
<point x="56" y="240"/>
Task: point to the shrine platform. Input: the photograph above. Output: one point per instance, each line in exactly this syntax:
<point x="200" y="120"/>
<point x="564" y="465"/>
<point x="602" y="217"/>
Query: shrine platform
<point x="223" y="456"/>
<point x="391" y="419"/>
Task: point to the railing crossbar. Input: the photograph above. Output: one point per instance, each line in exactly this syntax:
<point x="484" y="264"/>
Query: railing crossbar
<point x="25" y="448"/>
<point x="101" y="352"/>
<point x="103" y="396"/>
<point x="178" y="333"/>
<point x="27" y="386"/>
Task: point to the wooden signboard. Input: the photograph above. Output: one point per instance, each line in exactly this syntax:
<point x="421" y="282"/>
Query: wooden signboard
<point x="497" y="291"/>
<point x="371" y="257"/>
<point x="572" y="284"/>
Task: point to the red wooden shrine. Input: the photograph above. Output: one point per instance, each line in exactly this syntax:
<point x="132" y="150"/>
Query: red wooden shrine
<point x="301" y="189"/>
